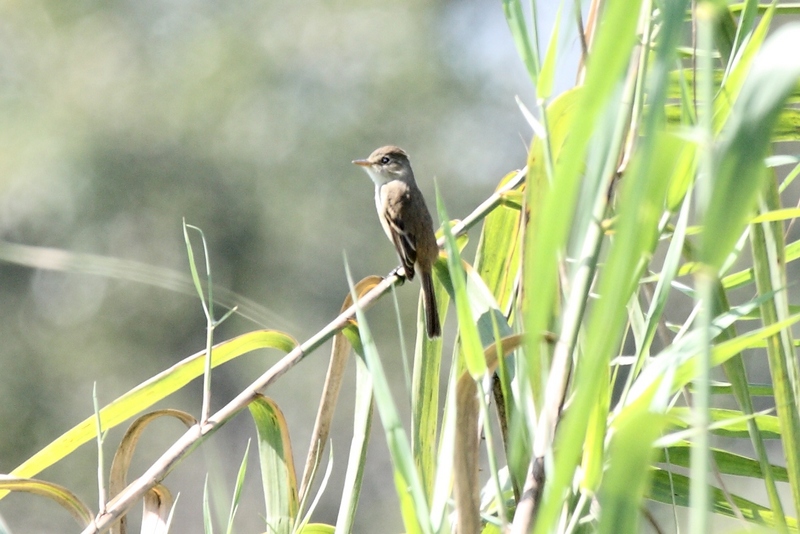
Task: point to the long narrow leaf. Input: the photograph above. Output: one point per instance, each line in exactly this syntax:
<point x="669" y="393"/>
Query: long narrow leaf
<point x="277" y="465"/>
<point x="362" y="424"/>
<point x="413" y="505"/>
<point x="149" y="392"/>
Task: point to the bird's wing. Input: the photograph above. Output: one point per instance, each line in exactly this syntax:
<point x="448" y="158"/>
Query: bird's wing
<point x="404" y="241"/>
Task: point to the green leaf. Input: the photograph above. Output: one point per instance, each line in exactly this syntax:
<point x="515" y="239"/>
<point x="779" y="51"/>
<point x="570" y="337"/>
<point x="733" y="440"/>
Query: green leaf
<point x="277" y="465"/>
<point x="742" y="64"/>
<point x="413" y="505"/>
<point x="552" y="212"/>
<point x="672" y="488"/>
<point x="727" y="462"/>
<point x="745" y="139"/>
<point x="362" y="425"/>
<point x="544" y="85"/>
<point x="470" y="341"/>
<point x="729" y="423"/>
<point x="317" y="528"/>
<point x="516" y="23"/>
<point x="736" y="372"/>
<point x="741" y="278"/>
<point x="425" y="385"/>
<point x="756" y="390"/>
<point x="681" y="356"/>
<point x="148" y="393"/>
<point x="746" y="22"/>
<point x="627" y="477"/>
<point x="497" y="258"/>
<point x="771" y="281"/>
<point x="777" y="215"/>
<point x="445" y="455"/>
<point x="208" y="520"/>
<point x="237" y="491"/>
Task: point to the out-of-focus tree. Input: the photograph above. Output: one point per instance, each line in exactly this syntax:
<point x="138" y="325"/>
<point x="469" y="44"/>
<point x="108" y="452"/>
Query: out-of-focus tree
<point x="121" y="118"/>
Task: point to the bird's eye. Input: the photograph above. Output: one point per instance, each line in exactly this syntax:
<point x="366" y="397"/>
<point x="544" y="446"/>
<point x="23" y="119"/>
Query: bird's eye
<point x="385" y="160"/>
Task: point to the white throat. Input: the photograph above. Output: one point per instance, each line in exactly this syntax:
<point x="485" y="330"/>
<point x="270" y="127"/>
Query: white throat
<point x="378" y="178"/>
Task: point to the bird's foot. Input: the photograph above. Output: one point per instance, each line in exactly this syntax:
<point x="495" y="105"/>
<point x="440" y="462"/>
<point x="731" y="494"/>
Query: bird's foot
<point x="399" y="272"/>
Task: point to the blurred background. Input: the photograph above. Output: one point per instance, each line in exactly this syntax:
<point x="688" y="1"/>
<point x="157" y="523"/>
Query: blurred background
<point x="121" y="118"/>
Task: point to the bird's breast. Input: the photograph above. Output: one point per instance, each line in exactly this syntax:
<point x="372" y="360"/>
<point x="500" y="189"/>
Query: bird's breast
<point x="380" y="206"/>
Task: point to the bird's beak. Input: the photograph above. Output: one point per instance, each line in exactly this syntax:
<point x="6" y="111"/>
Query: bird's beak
<point x="362" y="162"/>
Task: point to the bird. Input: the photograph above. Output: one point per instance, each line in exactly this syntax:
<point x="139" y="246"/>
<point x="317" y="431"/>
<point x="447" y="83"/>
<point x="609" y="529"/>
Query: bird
<point x="406" y="221"/>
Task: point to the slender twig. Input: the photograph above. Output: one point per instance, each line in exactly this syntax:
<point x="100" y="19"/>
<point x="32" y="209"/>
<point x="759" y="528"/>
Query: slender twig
<point x="578" y="296"/>
<point x="101" y="481"/>
<point x="208" y="310"/>
<point x="581" y="33"/>
<point x="587" y="33"/>
<point x="123" y="502"/>
<point x="197" y="433"/>
<point x="491" y="455"/>
<point x="636" y="113"/>
<point x="699" y="495"/>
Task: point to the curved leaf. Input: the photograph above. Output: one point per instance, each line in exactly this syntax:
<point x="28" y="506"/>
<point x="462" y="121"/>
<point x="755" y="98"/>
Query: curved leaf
<point x="277" y="465"/>
<point x="59" y="494"/>
<point x="340" y="350"/>
<point x="148" y="393"/>
<point x="117" y="479"/>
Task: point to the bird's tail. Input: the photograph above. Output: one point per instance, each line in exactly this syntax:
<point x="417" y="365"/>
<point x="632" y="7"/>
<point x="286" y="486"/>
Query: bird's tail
<point x="432" y="324"/>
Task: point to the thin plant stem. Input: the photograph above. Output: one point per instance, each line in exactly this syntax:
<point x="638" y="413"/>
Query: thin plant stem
<point x="492" y="456"/>
<point x="206" y="409"/>
<point x="403" y="351"/>
<point x="581" y="284"/>
<point x="699" y="497"/>
<point x="208" y="309"/>
<point x="540" y="102"/>
<point x="101" y="483"/>
<point x="193" y="437"/>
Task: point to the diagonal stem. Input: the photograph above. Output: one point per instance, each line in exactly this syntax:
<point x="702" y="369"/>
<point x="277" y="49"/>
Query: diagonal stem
<point x="199" y="432"/>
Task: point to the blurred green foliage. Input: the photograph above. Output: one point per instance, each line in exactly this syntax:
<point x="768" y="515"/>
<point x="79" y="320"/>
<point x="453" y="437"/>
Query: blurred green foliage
<point x="119" y="118"/>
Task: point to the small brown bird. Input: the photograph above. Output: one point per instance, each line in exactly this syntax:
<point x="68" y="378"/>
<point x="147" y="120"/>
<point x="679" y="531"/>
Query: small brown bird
<point x="406" y="220"/>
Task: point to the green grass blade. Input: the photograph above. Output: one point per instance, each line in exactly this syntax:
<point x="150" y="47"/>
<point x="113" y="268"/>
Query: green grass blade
<point x="672" y="488"/>
<point x="425" y="390"/>
<point x="771" y="279"/>
<point x="497" y="258"/>
<point x="446" y="453"/>
<point x="747" y="20"/>
<point x="277" y="465"/>
<point x="745" y="139"/>
<point x="544" y="85"/>
<point x="468" y="329"/>
<point x="208" y="520"/>
<point x="727" y="423"/>
<point x="627" y="477"/>
<point x="519" y="31"/>
<point x="727" y="462"/>
<point x="739" y="68"/>
<point x="737" y="374"/>
<point x="237" y="491"/>
<point x="682" y="355"/>
<point x="413" y="505"/>
<point x="317" y="528"/>
<point x="550" y="226"/>
<point x="148" y="393"/>
<point x="362" y="424"/>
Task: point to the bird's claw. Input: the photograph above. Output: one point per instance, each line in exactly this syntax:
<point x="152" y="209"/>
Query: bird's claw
<point x="399" y="272"/>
